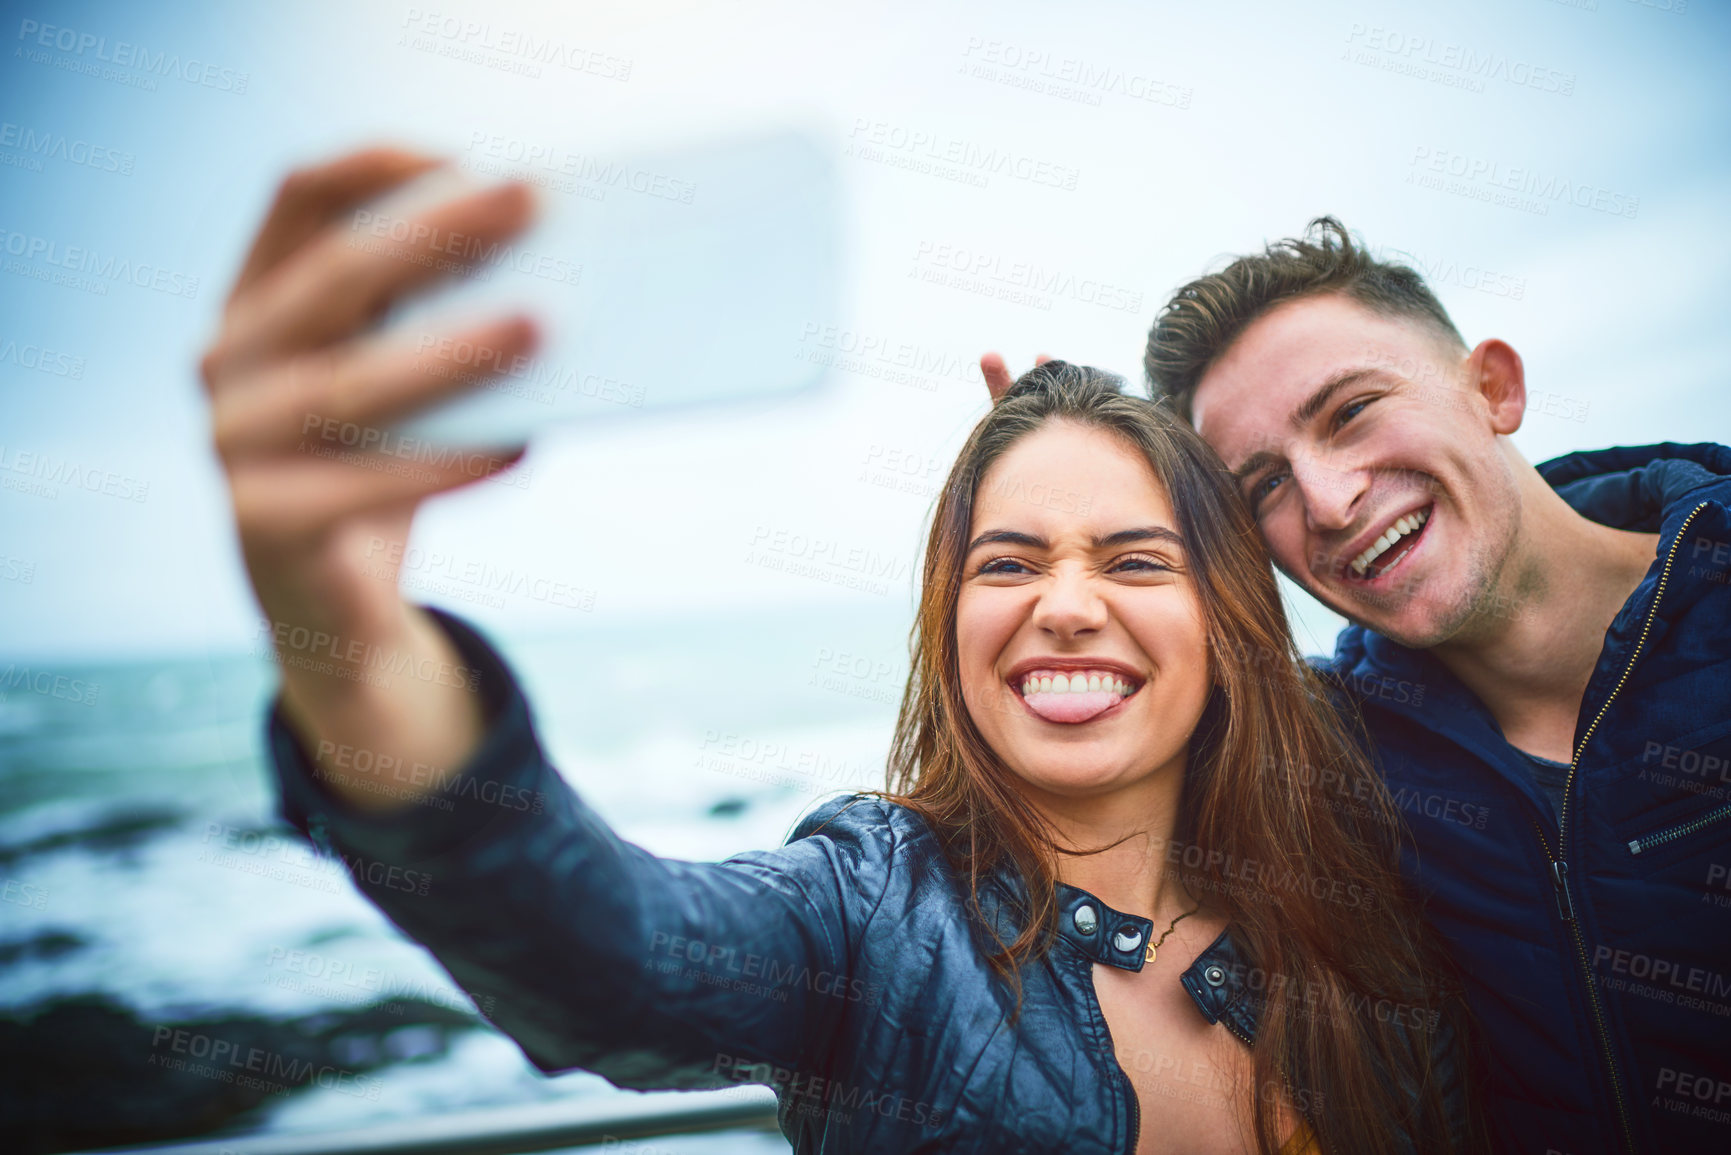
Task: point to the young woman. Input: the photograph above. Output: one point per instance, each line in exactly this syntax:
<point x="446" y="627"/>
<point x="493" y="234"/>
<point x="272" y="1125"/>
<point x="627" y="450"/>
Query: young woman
<point x="1133" y="888"/>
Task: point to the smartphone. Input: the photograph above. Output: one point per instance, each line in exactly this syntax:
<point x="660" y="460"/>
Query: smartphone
<point x="666" y="280"/>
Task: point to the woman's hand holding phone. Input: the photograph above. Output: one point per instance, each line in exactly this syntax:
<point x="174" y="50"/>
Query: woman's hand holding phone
<point x="296" y="383"/>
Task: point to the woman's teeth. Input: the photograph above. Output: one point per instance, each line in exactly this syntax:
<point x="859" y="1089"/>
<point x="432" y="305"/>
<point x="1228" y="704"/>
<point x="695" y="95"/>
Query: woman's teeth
<point x="1398" y="530"/>
<point x="1076" y="682"/>
<point x="1074" y="695"/>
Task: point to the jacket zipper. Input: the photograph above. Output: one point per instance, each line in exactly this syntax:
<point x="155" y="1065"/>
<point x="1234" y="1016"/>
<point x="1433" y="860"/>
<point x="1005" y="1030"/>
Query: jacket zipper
<point x="1136" y="1107"/>
<point x="1135" y="1115"/>
<point x="1648" y="842"/>
<point x="1560" y="867"/>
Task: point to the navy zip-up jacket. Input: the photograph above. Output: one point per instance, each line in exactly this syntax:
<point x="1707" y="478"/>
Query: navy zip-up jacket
<point x="1596" y="950"/>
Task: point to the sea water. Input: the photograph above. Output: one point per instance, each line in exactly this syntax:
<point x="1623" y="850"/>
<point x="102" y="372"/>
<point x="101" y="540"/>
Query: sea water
<point x="128" y="805"/>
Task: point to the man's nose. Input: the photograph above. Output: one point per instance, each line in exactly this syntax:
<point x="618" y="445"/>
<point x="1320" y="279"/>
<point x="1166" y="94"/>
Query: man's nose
<point x="1331" y="492"/>
<point x="1070" y="605"/>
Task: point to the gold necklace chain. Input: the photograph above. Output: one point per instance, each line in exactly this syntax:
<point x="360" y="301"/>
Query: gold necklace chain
<point x="1154" y="946"/>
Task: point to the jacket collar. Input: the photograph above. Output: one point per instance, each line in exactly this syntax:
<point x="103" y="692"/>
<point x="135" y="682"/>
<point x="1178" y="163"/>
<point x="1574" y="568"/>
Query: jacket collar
<point x="1635" y="487"/>
<point x="1218" y="980"/>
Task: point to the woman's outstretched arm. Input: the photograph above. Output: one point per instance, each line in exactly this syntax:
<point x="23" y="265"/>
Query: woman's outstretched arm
<point x="586" y="949"/>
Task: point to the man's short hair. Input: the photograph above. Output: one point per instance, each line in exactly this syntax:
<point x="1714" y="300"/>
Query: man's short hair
<point x="1203" y="318"/>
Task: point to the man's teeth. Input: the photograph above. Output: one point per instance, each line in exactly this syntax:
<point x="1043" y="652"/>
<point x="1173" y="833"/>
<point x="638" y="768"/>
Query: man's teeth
<point x="1076" y="682"/>
<point x="1398" y="530"/>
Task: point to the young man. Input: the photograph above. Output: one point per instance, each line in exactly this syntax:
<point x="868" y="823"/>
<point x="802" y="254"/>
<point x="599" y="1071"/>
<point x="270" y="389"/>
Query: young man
<point x="1543" y="660"/>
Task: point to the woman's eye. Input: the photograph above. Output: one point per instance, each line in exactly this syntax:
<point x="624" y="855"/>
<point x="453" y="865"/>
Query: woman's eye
<point x="1001" y="565"/>
<point x="1145" y="564"/>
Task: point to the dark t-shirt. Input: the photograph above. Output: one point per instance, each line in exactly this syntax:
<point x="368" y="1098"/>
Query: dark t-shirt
<point x="1550" y="777"/>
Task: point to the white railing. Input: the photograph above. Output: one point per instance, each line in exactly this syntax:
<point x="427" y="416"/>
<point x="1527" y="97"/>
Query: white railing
<point x="510" y="1130"/>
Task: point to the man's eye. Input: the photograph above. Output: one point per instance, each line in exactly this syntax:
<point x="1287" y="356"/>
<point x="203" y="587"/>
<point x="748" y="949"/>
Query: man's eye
<point x="1262" y="489"/>
<point x="1350" y="410"/>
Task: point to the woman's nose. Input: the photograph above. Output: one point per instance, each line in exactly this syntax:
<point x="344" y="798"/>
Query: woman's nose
<point x="1070" y="605"/>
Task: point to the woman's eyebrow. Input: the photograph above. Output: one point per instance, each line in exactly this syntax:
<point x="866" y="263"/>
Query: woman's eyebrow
<point x="1122" y="537"/>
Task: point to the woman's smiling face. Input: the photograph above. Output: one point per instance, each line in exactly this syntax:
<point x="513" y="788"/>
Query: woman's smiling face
<point x="1075" y="570"/>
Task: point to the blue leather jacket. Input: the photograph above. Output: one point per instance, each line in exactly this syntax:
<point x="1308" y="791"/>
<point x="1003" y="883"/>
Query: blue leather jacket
<point x="1595" y="945"/>
<point x="838" y="969"/>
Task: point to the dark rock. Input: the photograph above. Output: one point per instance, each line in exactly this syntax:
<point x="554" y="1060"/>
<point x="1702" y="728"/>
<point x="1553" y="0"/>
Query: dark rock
<point x="85" y="1071"/>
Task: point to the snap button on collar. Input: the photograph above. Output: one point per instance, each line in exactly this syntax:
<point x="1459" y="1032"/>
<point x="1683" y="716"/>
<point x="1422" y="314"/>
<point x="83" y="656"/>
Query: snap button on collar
<point x="1085" y="918"/>
<point x="1129" y="938"/>
<point x="1215" y="975"/>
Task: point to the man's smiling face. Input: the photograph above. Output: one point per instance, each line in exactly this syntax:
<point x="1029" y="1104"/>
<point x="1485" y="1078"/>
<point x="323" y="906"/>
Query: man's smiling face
<point x="1370" y="456"/>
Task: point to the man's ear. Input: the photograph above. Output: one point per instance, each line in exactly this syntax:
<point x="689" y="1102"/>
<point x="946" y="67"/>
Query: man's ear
<point x="1495" y="370"/>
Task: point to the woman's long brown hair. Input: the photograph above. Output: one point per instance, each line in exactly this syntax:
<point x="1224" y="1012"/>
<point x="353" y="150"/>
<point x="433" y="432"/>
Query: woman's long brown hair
<point x="1284" y="827"/>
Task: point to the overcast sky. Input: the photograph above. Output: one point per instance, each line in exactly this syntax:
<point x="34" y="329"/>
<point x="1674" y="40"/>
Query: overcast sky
<point x="1559" y="169"/>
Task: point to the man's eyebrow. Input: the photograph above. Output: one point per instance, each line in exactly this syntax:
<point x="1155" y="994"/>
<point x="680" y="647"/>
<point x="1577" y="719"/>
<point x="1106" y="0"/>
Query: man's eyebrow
<point x="1306" y="413"/>
<point x="1122" y="537"/>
